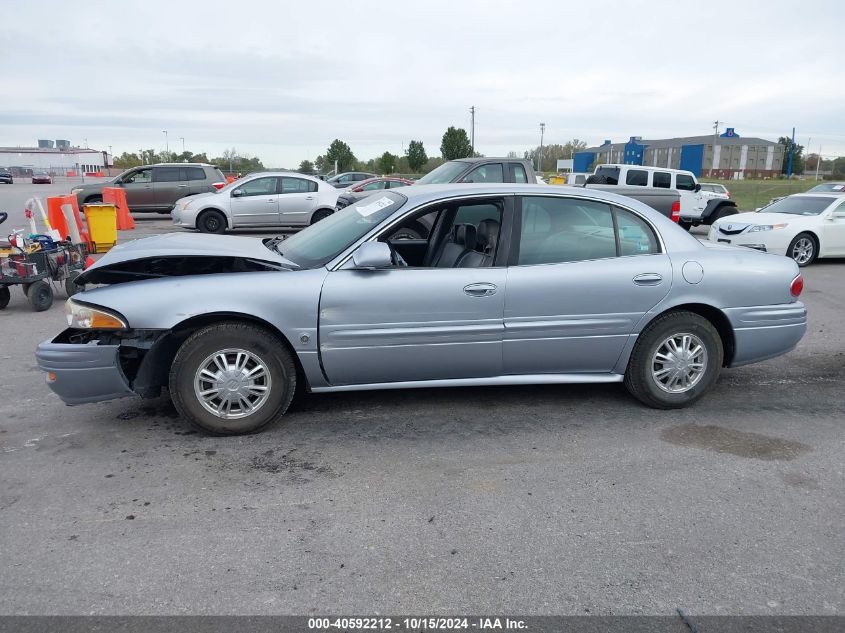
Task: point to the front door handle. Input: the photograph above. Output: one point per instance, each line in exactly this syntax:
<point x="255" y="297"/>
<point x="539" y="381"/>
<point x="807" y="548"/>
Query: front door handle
<point x="309" y="197"/>
<point x="648" y="279"/>
<point x="271" y="201"/>
<point x="480" y="289"/>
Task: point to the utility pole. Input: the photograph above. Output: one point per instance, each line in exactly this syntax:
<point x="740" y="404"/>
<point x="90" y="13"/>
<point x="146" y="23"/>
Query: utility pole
<point x="540" y="156"/>
<point x="472" y="129"/>
<point x="713" y="165"/>
<point x="166" y="143"/>
<point x="182" y="138"/>
<point x="819" y="162"/>
<point x="791" y="155"/>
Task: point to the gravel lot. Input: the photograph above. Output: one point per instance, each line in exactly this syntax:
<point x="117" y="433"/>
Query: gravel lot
<point x="531" y="500"/>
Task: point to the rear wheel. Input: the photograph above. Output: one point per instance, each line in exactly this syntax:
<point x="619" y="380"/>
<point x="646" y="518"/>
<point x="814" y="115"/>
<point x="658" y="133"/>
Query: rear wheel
<point x="803" y="249"/>
<point x="5" y="295"/>
<point x="677" y="359"/>
<point x="320" y="214"/>
<point x="232" y="378"/>
<point x="211" y="221"/>
<point x="40" y="296"/>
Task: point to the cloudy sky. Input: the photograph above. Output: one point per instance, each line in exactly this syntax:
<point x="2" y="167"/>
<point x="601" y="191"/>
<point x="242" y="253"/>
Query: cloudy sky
<point x="282" y="79"/>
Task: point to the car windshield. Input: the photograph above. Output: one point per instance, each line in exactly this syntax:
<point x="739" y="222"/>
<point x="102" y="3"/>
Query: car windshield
<point x="447" y="172"/>
<point x="320" y="243"/>
<point x="828" y="187"/>
<point x="801" y="205"/>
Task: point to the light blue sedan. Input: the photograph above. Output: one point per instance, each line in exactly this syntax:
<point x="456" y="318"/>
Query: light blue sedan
<point x="507" y="284"/>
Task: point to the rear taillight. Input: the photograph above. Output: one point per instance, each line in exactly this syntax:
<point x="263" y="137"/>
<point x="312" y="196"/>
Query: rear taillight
<point x="218" y="185"/>
<point x="676" y="211"/>
<point x="797" y="286"/>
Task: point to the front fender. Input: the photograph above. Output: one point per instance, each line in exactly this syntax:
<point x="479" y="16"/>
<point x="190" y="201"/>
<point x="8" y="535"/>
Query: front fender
<point x="718" y="208"/>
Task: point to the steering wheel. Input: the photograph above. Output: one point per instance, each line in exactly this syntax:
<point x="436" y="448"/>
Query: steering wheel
<point x="396" y="258"/>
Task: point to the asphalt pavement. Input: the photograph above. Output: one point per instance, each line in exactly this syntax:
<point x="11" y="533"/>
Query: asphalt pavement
<point x="529" y="500"/>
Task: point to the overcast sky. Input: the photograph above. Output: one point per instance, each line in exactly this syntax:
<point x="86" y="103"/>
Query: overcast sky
<point x="282" y="79"/>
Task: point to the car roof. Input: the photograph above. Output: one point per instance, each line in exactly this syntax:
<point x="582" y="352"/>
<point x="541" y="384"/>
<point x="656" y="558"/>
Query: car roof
<point x="178" y="165"/>
<point x="292" y="174"/>
<point x="484" y="159"/>
<point x="646" y="167"/>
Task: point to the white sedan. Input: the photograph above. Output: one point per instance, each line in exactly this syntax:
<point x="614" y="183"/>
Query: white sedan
<point x="268" y="199"/>
<point x="802" y="226"/>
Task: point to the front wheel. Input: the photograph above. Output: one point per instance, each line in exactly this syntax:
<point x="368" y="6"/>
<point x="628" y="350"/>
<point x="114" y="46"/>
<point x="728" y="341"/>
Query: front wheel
<point x="211" y="222"/>
<point x="803" y="249"/>
<point x="232" y="378"/>
<point x="676" y="360"/>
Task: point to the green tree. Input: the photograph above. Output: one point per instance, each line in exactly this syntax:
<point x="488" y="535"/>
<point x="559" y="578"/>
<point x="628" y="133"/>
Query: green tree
<point x="306" y="167"/>
<point x="127" y="160"/>
<point x="554" y="152"/>
<point x="386" y="163"/>
<point x="455" y="144"/>
<point x="416" y="155"/>
<point x="797" y="159"/>
<point x="340" y="152"/>
<point x="234" y="162"/>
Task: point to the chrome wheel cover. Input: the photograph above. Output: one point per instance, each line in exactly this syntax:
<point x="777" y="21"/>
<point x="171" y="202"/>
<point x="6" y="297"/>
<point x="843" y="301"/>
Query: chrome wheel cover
<point x="232" y="383"/>
<point x="679" y="363"/>
<point x="803" y="250"/>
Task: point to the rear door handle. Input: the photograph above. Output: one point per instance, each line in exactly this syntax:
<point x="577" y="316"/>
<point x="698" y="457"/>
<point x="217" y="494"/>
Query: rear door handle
<point x="271" y="201"/>
<point x="309" y="197"/>
<point x="648" y="279"/>
<point x="480" y="289"/>
<point x="180" y="186"/>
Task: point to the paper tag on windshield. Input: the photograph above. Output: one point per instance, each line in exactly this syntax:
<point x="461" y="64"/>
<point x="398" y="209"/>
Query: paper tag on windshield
<point x="371" y="208"/>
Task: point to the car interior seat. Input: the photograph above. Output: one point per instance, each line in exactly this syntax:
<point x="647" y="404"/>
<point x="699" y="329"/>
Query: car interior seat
<point x="459" y="244"/>
<point x="487" y="237"/>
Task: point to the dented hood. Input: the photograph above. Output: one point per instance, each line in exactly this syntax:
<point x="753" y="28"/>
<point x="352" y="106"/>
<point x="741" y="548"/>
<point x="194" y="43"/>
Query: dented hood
<point x="178" y="254"/>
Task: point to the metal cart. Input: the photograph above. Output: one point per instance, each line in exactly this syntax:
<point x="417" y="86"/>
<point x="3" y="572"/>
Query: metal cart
<point x="34" y="268"/>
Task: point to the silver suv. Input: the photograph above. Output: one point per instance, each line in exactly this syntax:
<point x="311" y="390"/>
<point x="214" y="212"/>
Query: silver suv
<point x="156" y="187"/>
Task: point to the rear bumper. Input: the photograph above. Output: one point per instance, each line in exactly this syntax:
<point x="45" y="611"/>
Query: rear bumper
<point x="764" y="332"/>
<point x="79" y="374"/>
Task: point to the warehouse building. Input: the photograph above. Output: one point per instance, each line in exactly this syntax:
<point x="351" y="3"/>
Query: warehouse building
<point x="59" y="159"/>
<point x="731" y="157"/>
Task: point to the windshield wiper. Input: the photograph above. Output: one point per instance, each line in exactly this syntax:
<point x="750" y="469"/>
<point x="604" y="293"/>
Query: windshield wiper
<point x="273" y="243"/>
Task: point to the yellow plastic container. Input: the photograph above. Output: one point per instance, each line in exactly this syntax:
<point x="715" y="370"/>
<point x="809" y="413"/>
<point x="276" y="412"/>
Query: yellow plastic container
<point x="557" y="180"/>
<point x="102" y="226"/>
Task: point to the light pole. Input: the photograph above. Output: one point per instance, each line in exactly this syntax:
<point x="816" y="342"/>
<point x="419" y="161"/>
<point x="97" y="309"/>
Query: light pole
<point x="713" y="164"/>
<point x="166" y="143"/>
<point x="182" y="138"/>
<point x="819" y="162"/>
<point x="540" y="156"/>
<point x="472" y="130"/>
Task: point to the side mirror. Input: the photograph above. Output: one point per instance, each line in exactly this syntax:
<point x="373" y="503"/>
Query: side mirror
<point x="237" y="193"/>
<point x="697" y="187"/>
<point x="372" y="255"/>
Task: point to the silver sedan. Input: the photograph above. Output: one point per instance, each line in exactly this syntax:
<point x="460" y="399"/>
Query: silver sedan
<point x="508" y="284"/>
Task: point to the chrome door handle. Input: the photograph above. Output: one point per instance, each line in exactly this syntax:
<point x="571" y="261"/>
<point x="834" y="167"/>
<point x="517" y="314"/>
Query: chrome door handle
<point x="270" y="201"/>
<point x="648" y="279"/>
<point x="181" y="186"/>
<point x="309" y="197"/>
<point x="480" y="289"/>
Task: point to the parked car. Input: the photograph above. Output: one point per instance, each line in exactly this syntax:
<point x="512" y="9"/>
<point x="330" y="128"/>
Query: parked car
<point x="482" y="170"/>
<point x="6" y="176"/>
<point x="347" y="178"/>
<point x="802" y="226"/>
<point x="40" y="177"/>
<point x="716" y="188"/>
<point x="273" y="199"/>
<point x="697" y="206"/>
<point x="828" y="187"/>
<point x="156" y="187"/>
<point x="513" y="284"/>
<point x="368" y="187"/>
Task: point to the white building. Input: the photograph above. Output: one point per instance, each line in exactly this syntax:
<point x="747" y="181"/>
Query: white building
<point x="56" y="160"/>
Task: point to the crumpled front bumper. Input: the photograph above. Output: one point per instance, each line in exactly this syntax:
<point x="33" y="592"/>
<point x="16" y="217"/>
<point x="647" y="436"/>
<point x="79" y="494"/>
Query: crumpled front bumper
<point x="79" y="374"/>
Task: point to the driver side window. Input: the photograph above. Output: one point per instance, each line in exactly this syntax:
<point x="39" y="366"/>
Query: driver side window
<point x="140" y="176"/>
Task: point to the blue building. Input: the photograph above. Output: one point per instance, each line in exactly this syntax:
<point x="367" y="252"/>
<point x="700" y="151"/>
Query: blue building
<point x="732" y="156"/>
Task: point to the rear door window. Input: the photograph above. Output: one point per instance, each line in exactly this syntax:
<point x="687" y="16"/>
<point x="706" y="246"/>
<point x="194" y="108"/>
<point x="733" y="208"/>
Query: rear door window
<point x="662" y="180"/>
<point x="610" y="173"/>
<point x="518" y="173"/>
<point x="637" y="177"/>
<point x="194" y="173"/>
<point x="166" y="174"/>
<point x="297" y="185"/>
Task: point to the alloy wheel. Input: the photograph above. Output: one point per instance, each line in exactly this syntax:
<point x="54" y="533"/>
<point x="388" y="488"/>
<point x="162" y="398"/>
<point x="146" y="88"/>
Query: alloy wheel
<point x="803" y="250"/>
<point x="232" y="383"/>
<point x="679" y="363"/>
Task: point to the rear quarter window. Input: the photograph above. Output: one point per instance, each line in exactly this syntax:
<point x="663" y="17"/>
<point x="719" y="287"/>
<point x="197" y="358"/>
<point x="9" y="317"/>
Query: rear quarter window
<point x="194" y="173"/>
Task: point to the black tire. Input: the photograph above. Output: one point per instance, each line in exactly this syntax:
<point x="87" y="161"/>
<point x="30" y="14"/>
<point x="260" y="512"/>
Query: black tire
<point x="93" y="200"/>
<point x="5" y="295"/>
<point x="211" y="221"/>
<point x="638" y="376"/>
<point x="409" y="233"/>
<point x="70" y="287"/>
<point x="206" y="342"/>
<point x="721" y="213"/>
<point x="40" y="296"/>
<point x="320" y="214"/>
<point x="798" y="254"/>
